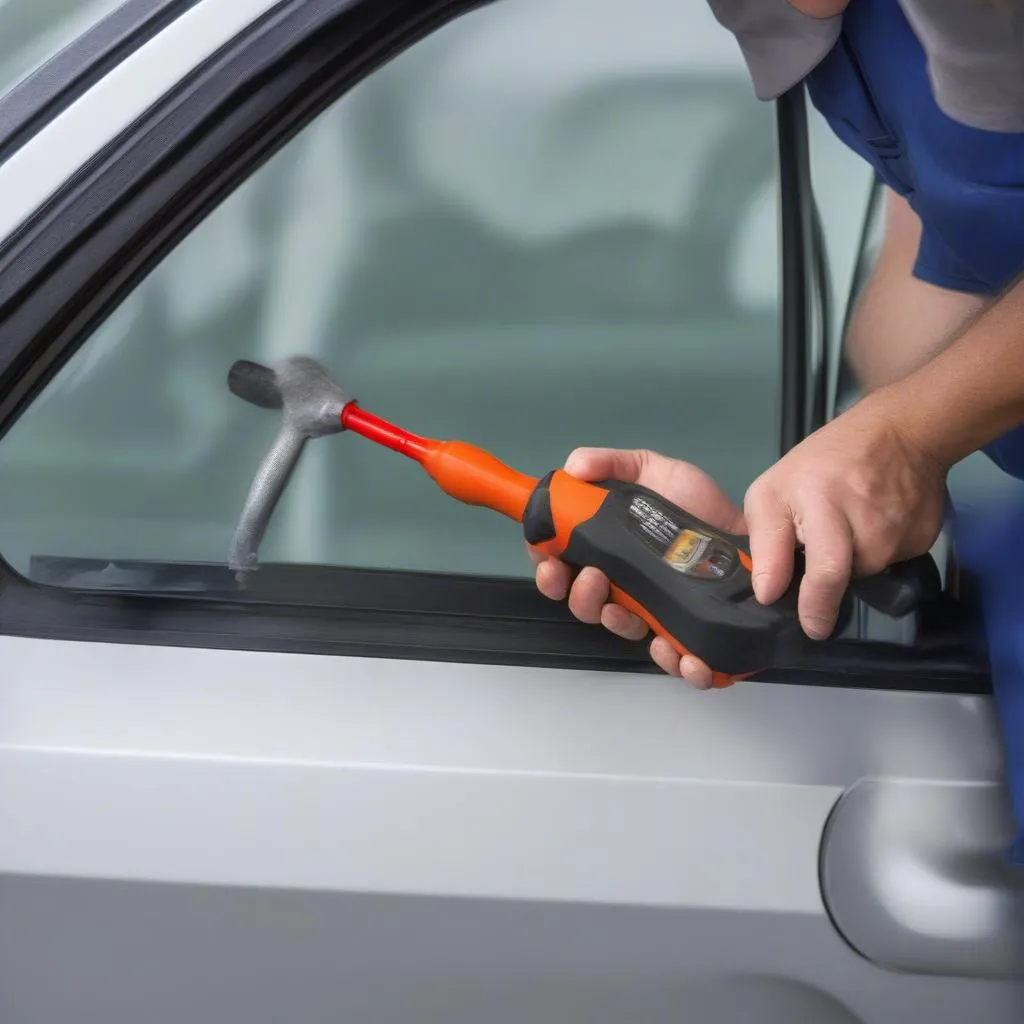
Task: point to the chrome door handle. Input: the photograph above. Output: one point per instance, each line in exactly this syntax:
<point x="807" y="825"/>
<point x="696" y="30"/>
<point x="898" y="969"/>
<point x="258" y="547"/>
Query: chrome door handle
<point x="914" y="877"/>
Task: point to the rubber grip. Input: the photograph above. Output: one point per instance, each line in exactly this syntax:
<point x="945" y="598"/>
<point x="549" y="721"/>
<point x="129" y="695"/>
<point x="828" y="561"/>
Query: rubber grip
<point x="689" y="582"/>
<point x="628" y="532"/>
<point x="719" y="680"/>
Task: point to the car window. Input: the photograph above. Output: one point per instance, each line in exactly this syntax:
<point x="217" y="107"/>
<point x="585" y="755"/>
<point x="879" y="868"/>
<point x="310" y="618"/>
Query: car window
<point x="548" y="224"/>
<point x="842" y="186"/>
<point x="32" y="31"/>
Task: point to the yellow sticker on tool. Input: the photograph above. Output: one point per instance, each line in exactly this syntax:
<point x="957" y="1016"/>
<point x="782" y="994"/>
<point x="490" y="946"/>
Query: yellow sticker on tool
<point x="687" y="549"/>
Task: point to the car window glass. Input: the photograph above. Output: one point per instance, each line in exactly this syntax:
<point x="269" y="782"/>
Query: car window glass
<point x="842" y="184"/>
<point x="32" y="31"/>
<point x="549" y="224"/>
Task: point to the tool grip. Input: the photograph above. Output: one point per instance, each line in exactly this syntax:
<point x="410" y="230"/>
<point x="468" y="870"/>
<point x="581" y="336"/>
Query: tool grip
<point x="688" y="581"/>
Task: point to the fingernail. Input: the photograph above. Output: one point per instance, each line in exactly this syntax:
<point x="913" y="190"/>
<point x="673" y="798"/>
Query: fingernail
<point x="818" y="629"/>
<point x="690" y="667"/>
<point x="573" y="462"/>
<point x="544" y="578"/>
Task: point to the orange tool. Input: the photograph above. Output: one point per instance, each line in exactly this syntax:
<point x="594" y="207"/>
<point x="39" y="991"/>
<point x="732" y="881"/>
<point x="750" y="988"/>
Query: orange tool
<point x="681" y="576"/>
<point x="689" y="582"/>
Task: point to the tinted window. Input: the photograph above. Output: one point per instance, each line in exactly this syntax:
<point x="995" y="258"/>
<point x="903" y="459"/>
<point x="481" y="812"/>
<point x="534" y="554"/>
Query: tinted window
<point x="536" y="229"/>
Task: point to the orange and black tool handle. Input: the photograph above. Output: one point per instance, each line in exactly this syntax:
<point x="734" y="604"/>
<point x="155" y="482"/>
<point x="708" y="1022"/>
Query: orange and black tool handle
<point x="690" y="583"/>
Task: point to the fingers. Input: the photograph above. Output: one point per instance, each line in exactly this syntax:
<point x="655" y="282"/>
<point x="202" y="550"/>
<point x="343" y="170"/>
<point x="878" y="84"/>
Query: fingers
<point x="623" y="623"/>
<point x="828" y="550"/>
<point x="665" y="656"/>
<point x="606" y="464"/>
<point x="692" y="669"/>
<point x="695" y="672"/>
<point x="589" y="594"/>
<point x="588" y="601"/>
<point x="772" y="542"/>
<point x="588" y="598"/>
<point x="553" y="579"/>
<point x="680" y="482"/>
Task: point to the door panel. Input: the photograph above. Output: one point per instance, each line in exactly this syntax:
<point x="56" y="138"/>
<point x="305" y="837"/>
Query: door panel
<point x="222" y="835"/>
<point x="913" y="893"/>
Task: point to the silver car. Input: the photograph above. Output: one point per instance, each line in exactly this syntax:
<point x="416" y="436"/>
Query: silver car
<point x="387" y="782"/>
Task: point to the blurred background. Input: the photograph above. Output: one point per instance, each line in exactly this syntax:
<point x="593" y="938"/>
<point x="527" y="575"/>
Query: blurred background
<point x="551" y="223"/>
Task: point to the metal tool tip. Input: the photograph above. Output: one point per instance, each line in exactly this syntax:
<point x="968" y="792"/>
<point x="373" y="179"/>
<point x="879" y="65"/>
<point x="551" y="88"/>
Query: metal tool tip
<point x="255" y="383"/>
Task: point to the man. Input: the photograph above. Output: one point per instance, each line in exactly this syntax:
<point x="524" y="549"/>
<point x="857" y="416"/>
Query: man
<point x="931" y="94"/>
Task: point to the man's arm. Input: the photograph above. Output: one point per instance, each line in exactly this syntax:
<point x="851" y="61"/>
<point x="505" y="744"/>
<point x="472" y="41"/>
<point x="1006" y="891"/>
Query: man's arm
<point x="971" y="392"/>
<point x="942" y="377"/>
<point x="859" y="494"/>
<point x="900" y="322"/>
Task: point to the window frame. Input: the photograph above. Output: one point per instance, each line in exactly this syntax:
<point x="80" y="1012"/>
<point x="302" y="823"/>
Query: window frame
<point x="90" y="245"/>
<point x="44" y="93"/>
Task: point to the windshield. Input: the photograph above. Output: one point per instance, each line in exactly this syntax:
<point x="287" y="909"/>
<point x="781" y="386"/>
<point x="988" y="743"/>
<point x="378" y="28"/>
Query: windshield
<point x="32" y="31"/>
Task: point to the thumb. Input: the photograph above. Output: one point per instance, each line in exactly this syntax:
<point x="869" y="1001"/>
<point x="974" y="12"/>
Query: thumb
<point x="607" y="464"/>
<point x="772" y="542"/>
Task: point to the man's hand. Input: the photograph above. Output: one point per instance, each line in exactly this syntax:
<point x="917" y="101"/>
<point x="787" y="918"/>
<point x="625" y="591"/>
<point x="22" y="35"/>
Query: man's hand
<point x="859" y="494"/>
<point x="681" y="483"/>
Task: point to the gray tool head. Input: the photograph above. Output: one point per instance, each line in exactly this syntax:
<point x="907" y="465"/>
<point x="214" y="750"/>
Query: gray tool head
<point x="311" y="405"/>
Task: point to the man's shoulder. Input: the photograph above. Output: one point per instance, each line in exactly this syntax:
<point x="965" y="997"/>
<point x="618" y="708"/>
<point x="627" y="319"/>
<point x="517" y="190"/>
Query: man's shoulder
<point x="975" y="56"/>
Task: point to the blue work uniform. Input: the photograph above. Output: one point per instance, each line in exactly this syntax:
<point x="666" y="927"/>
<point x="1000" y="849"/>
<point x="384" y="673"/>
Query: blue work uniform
<point x="931" y="94"/>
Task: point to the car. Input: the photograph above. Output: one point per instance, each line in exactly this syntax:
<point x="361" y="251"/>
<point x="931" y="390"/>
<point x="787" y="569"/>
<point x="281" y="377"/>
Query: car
<point x="385" y="780"/>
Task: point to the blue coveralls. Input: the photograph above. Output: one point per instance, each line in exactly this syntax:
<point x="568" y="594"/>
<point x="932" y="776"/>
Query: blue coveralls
<point x="967" y="186"/>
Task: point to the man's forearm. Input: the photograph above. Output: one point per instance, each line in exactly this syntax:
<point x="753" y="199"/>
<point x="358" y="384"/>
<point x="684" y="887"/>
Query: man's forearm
<point x="971" y="392"/>
<point x="900" y="322"/>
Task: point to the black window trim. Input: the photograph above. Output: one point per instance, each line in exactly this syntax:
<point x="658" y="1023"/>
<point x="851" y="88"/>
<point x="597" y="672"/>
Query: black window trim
<point x="94" y="241"/>
<point x="41" y="96"/>
<point x="797" y="257"/>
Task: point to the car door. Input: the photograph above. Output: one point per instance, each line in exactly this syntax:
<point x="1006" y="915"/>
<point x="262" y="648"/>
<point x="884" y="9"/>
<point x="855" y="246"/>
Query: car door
<point x="386" y="781"/>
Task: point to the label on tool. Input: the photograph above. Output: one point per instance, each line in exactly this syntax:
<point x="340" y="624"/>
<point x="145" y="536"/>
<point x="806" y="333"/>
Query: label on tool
<point x="687" y="550"/>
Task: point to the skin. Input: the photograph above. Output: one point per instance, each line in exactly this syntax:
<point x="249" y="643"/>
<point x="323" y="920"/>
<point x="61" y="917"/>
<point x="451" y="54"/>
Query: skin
<point x="868" y="488"/>
<point x="894" y="303"/>
<point x="820" y="8"/>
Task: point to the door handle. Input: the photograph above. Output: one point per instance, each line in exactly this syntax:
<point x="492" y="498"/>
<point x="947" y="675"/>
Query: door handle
<point x="914" y="877"/>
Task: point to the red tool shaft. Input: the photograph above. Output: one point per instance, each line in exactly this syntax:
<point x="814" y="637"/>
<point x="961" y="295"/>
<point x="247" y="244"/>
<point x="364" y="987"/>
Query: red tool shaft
<point x="461" y="470"/>
<point x="364" y="423"/>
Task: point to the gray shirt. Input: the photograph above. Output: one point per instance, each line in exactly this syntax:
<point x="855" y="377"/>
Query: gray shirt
<point x="975" y="51"/>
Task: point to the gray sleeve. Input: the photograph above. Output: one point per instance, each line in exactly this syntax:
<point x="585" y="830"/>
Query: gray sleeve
<point x="975" y="59"/>
<point x="780" y="44"/>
